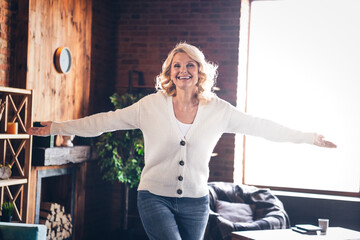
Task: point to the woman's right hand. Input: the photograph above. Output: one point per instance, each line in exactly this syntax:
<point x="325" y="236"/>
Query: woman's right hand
<point x="40" y="131"/>
<point x="321" y="142"/>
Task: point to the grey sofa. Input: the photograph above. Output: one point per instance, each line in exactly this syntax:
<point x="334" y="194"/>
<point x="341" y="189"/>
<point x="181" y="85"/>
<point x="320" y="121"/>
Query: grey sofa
<point x="240" y="208"/>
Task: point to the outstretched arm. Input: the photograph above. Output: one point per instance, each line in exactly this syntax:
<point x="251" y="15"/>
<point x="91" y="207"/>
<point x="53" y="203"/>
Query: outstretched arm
<point x="93" y="125"/>
<point x="240" y="122"/>
<point x="40" y="131"/>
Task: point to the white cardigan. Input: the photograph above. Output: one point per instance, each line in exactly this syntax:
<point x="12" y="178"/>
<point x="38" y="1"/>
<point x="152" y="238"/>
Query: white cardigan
<point x="168" y="154"/>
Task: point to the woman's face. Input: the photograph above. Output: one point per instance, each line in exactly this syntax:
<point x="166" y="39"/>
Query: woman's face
<point x="184" y="72"/>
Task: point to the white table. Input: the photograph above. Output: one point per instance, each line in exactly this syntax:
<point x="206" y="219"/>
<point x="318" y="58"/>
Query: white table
<point x="333" y="233"/>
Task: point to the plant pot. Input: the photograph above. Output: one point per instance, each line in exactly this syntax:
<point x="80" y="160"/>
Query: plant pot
<point x="6" y="218"/>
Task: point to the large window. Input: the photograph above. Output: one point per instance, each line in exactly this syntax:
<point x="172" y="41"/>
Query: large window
<point x="303" y="70"/>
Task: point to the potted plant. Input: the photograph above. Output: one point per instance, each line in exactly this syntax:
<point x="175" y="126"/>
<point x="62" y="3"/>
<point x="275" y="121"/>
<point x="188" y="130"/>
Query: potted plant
<point x="7" y="209"/>
<point x="121" y="153"/>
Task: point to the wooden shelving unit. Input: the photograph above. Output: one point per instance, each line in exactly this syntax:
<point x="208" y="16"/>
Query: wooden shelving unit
<point x="13" y="181"/>
<point x="15" y="149"/>
<point x="13" y="136"/>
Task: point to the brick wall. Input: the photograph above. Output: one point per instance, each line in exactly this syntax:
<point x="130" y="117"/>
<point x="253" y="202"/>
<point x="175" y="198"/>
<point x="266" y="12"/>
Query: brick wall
<point x="148" y="29"/>
<point x="7" y="16"/>
<point x="103" y="55"/>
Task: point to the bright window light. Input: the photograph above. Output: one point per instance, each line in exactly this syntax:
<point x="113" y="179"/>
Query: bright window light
<point x="304" y="72"/>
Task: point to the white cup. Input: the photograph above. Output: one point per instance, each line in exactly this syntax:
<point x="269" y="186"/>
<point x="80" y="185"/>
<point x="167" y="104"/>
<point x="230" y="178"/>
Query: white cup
<point x="323" y="224"/>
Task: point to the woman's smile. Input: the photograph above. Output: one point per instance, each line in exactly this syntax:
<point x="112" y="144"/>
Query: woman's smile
<point x="184" y="78"/>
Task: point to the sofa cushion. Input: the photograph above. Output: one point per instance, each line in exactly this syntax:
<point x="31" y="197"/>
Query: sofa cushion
<point x="234" y="212"/>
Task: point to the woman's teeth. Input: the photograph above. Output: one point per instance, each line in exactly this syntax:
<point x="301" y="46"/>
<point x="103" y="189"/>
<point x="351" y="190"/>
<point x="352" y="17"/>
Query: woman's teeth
<point x="184" y="77"/>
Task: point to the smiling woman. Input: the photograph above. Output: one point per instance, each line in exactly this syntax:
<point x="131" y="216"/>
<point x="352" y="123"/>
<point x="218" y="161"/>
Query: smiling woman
<point x="173" y="199"/>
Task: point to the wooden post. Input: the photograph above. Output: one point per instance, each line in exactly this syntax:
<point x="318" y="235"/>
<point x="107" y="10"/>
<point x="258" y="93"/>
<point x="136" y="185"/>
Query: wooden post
<point x="28" y="156"/>
<point x="126" y="206"/>
<point x="79" y="208"/>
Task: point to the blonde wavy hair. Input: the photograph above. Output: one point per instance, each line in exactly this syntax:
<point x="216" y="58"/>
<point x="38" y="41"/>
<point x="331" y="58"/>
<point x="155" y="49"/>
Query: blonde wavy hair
<point x="207" y="72"/>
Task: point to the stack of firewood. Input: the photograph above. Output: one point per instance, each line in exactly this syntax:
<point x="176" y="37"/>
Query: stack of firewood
<point x="57" y="222"/>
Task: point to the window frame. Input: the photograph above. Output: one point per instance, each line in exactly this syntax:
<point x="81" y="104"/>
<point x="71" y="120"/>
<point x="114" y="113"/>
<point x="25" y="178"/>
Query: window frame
<point x="240" y="151"/>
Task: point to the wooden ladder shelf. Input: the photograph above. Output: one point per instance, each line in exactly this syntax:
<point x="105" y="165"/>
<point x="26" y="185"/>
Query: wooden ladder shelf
<point x="15" y="149"/>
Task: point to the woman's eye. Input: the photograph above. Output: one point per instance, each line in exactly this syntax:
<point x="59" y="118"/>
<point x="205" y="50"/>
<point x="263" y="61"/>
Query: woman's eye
<point x="176" y="65"/>
<point x="190" y="65"/>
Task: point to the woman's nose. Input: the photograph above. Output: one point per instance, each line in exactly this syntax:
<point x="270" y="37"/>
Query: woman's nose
<point x="183" y="69"/>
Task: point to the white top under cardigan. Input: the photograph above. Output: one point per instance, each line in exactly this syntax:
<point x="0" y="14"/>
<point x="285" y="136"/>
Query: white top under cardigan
<point x="165" y="157"/>
<point x="184" y="127"/>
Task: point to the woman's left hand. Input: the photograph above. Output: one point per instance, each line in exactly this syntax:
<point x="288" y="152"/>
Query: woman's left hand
<point x="321" y="142"/>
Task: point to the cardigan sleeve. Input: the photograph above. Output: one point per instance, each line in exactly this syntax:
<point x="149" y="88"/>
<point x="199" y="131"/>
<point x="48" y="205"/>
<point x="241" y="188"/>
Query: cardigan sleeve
<point x="94" y="125"/>
<point x="240" y="122"/>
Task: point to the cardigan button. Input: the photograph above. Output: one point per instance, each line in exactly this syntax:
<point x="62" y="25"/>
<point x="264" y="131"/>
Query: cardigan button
<point x="182" y="143"/>
<point x="180" y="178"/>
<point x="181" y="163"/>
<point x="179" y="191"/>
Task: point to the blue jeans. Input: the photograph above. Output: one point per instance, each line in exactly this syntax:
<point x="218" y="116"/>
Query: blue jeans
<point x="172" y="218"/>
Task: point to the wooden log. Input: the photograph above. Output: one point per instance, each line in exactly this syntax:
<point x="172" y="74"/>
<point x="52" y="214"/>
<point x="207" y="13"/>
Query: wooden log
<point x="69" y="217"/>
<point x="46" y="222"/>
<point x="45" y="215"/>
<point x="57" y="221"/>
<point x="66" y="234"/>
<point x="50" y="207"/>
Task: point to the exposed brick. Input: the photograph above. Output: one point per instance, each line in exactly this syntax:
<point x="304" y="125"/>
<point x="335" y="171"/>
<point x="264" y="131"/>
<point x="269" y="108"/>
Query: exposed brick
<point x="4" y="4"/>
<point x="5" y="52"/>
<point x="7" y="25"/>
<point x="4" y="66"/>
